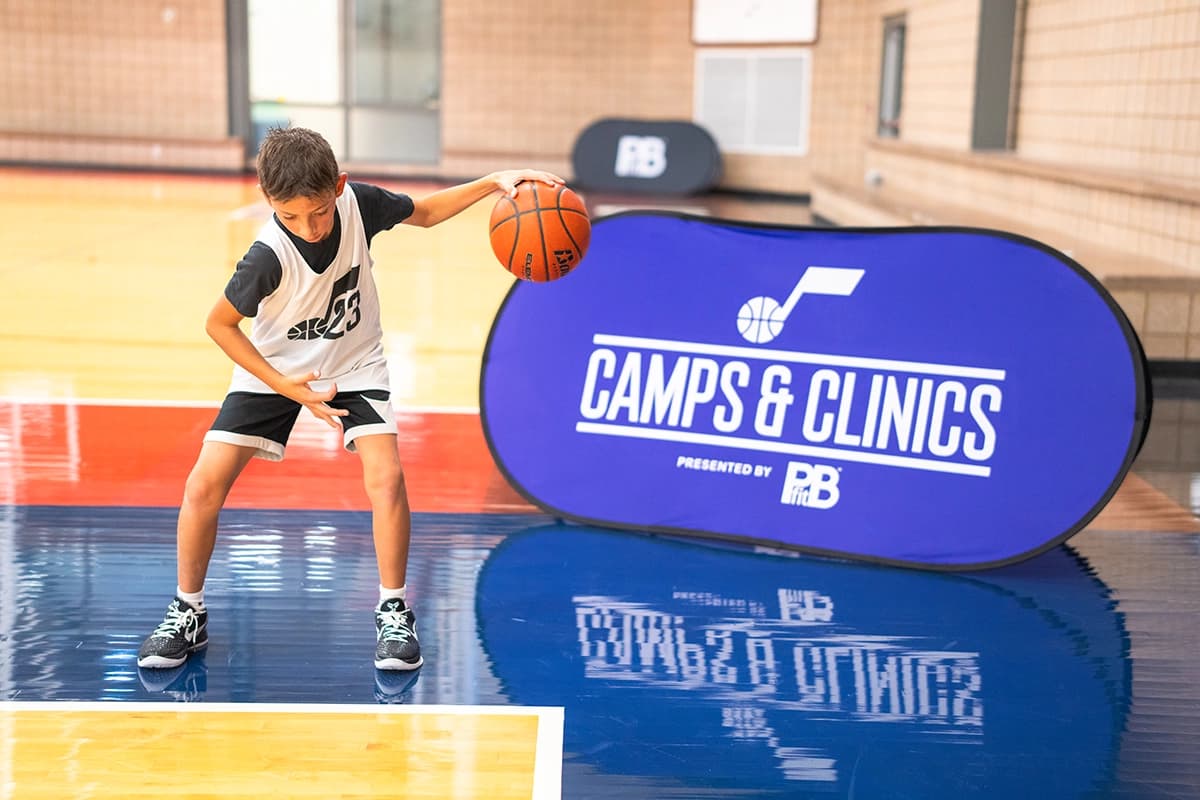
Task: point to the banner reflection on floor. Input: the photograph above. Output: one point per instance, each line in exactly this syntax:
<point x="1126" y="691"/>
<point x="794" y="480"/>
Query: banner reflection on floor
<point x="799" y="673"/>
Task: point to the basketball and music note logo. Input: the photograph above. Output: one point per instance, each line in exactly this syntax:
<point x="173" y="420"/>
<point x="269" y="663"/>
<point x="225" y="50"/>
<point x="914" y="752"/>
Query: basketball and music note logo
<point x="341" y="316"/>
<point x="761" y="319"/>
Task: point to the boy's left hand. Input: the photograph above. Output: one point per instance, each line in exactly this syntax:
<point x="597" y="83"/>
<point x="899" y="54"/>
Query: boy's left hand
<point x="509" y="178"/>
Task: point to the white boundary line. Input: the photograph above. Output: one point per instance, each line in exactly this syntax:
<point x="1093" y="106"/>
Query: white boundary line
<point x="547" y="770"/>
<point x="548" y="755"/>
<point x="794" y="357"/>
<point x="118" y="401"/>
<point x="831" y="453"/>
<point x="276" y="708"/>
<point x="53" y="400"/>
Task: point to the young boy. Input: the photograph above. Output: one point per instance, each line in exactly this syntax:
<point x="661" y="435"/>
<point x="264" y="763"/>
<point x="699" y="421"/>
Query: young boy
<point x="316" y="342"/>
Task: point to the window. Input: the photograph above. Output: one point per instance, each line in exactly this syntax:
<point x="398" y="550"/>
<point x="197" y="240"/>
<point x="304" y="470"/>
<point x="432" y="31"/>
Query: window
<point x="755" y="100"/>
<point x="891" y="77"/>
<point x="999" y="28"/>
<point x="395" y="53"/>
<point x="369" y="78"/>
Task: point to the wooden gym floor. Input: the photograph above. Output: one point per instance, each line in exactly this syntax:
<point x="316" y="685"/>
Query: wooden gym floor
<point x="559" y="658"/>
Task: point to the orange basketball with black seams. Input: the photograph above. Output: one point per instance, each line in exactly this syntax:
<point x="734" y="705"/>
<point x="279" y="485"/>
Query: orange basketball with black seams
<point x="541" y="234"/>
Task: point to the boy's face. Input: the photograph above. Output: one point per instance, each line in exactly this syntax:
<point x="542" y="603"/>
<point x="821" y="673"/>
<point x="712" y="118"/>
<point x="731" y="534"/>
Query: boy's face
<point x="310" y="218"/>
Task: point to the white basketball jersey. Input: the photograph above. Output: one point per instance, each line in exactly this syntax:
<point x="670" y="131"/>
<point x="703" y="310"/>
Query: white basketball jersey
<point x="329" y="321"/>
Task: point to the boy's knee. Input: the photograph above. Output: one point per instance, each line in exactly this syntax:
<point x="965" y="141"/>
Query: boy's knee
<point x="385" y="485"/>
<point x="202" y="490"/>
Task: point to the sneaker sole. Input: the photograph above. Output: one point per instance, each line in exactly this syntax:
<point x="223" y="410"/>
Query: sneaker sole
<point x="162" y="662"/>
<point x="397" y="664"/>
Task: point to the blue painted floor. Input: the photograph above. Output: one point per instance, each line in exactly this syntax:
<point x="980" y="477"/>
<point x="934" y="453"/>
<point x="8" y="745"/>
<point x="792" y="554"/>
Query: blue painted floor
<point x="686" y="669"/>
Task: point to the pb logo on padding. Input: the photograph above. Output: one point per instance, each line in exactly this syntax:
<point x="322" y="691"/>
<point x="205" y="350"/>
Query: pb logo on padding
<point x="641" y="156"/>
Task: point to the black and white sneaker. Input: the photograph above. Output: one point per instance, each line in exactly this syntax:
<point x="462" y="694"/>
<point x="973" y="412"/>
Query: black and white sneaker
<point x="183" y="631"/>
<point x="396" y="644"/>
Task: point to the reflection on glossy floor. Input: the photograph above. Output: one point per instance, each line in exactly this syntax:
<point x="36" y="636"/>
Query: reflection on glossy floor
<point x="683" y="669"/>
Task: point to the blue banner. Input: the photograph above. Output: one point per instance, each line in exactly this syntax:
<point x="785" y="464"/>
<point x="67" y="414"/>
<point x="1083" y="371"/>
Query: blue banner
<point x="685" y="665"/>
<point x="946" y="398"/>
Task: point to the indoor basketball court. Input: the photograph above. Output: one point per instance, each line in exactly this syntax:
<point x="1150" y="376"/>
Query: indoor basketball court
<point x="833" y="431"/>
<point x="560" y="658"/>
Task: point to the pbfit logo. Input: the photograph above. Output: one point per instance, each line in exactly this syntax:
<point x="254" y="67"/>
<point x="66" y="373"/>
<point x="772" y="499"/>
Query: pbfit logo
<point x="641" y="156"/>
<point x="810" y="485"/>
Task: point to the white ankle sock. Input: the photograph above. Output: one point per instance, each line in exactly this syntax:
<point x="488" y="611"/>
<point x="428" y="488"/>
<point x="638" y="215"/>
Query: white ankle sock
<point x="390" y="594"/>
<point x="193" y="599"/>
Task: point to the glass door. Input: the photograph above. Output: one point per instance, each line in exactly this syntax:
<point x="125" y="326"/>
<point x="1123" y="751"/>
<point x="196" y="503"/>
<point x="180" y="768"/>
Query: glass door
<point x="365" y="73"/>
<point x="395" y="81"/>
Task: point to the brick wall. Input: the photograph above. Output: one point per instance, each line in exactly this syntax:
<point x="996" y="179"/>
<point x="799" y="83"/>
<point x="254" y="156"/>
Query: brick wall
<point x="1106" y="165"/>
<point x="136" y="82"/>
<point x="1113" y="86"/>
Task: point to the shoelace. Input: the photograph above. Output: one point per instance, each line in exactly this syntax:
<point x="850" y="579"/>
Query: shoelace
<point x="393" y="625"/>
<point x="176" y="620"/>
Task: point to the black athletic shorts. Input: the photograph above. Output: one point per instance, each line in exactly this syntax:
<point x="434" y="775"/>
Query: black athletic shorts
<point x="265" y="421"/>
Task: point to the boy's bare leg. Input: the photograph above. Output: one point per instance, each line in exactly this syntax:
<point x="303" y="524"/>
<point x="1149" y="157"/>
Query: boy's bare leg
<point x="391" y="521"/>
<point x="184" y="629"/>
<point x="216" y="468"/>
<point x="396" y="645"/>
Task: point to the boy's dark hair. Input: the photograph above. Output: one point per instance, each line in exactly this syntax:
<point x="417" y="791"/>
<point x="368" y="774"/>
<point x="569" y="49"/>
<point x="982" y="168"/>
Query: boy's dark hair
<point x="296" y="162"/>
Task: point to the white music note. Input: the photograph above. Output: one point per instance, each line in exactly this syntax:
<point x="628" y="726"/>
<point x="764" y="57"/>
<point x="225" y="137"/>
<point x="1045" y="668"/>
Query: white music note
<point x="761" y="319"/>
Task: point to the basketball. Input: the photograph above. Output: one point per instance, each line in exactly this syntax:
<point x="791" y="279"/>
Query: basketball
<point x="541" y="234"/>
<point x="308" y="329"/>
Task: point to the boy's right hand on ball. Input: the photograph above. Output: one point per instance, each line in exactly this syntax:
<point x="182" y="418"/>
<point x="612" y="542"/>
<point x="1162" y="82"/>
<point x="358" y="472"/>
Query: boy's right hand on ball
<point x="316" y="402"/>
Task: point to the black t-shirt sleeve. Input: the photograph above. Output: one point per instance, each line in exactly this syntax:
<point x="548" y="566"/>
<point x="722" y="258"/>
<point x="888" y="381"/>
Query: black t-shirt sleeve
<point x="256" y="278"/>
<point x="381" y="210"/>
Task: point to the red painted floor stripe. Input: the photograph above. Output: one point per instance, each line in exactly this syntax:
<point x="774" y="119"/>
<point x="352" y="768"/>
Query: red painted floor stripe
<point x="55" y="454"/>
